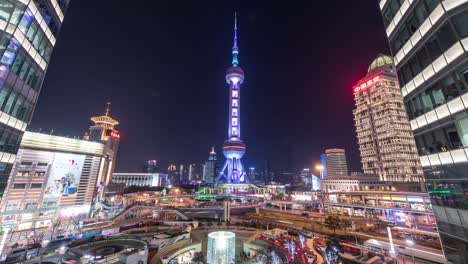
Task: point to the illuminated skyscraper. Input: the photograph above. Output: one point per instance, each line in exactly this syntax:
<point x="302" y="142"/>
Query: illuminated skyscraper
<point x="52" y="177"/>
<point x="335" y="162"/>
<point x="429" y="40"/>
<point x="28" y="34"/>
<point x="323" y="162"/>
<point x="234" y="147"/>
<point x="172" y="174"/>
<point x="384" y="134"/>
<point x="104" y="131"/>
<point x="210" y="169"/>
<point x="152" y="166"/>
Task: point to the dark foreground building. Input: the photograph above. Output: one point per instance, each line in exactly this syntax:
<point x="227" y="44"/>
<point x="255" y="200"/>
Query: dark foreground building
<point x="429" y="40"/>
<point x="28" y="33"/>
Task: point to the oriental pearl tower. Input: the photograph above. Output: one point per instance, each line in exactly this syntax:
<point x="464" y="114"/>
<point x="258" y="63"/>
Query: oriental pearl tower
<point x="234" y="147"/>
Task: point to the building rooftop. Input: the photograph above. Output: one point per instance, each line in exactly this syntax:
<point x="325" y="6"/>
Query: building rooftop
<point x="380" y="61"/>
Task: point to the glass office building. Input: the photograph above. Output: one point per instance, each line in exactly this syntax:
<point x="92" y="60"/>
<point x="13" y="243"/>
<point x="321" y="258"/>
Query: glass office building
<point x="28" y="33"/>
<point x="429" y="40"/>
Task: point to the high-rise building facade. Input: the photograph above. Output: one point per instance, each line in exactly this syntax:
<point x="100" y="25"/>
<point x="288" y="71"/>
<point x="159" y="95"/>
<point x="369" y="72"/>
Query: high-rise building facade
<point x="140" y="179"/>
<point x="28" y="34"/>
<point x="210" y="169"/>
<point x="384" y="135"/>
<point x="172" y="174"/>
<point x="104" y="131"/>
<point x="52" y="177"/>
<point x="429" y="40"/>
<point x="323" y="163"/>
<point x="152" y="166"/>
<point x="335" y="162"/>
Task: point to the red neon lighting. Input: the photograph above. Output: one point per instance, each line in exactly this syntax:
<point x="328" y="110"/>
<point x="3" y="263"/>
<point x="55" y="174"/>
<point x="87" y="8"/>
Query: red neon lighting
<point x="364" y="85"/>
<point x="115" y="134"/>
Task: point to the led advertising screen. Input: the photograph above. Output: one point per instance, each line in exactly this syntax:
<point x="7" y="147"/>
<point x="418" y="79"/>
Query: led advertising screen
<point x="64" y="175"/>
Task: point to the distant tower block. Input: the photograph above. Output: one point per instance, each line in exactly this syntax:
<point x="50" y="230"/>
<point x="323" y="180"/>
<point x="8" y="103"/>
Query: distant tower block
<point x="234" y="147"/>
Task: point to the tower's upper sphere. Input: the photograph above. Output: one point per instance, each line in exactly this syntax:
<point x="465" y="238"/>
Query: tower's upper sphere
<point x="234" y="75"/>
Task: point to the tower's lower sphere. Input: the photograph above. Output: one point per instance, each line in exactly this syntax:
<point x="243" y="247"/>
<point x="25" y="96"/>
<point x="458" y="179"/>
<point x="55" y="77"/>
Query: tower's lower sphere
<point x="221" y="247"/>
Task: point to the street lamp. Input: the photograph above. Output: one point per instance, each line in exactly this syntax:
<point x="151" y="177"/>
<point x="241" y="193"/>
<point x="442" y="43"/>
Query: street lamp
<point x="410" y="243"/>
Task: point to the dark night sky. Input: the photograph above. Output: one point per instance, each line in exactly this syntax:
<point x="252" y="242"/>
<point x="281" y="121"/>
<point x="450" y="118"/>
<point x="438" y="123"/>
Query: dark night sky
<point x="162" y="64"/>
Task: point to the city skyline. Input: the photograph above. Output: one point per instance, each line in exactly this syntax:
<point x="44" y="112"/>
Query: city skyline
<point x="169" y="106"/>
<point x="353" y="147"/>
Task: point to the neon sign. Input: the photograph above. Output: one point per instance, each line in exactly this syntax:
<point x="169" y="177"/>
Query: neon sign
<point x="366" y="84"/>
<point x="115" y="134"/>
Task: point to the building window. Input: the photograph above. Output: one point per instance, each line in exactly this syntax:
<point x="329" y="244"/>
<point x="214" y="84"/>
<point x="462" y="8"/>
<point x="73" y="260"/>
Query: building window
<point x="235" y="103"/>
<point x="234" y="131"/>
<point x="10" y="53"/>
<point x="234" y="112"/>
<point x="36" y="185"/>
<point x="23" y="173"/>
<point x="26" y="21"/>
<point x="235" y="93"/>
<point x="234" y="121"/>
<point x="30" y="205"/>
<point x="461" y="24"/>
<point x="462" y="127"/>
<point x="19" y="186"/>
<point x="39" y="174"/>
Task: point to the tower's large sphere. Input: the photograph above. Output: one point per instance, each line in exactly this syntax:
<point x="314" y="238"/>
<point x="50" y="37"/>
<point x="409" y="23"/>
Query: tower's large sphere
<point x="234" y="75"/>
<point x="234" y="148"/>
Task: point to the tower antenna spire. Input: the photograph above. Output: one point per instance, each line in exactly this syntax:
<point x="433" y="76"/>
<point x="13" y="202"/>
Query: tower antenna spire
<point x="235" y="49"/>
<point x="108" y="108"/>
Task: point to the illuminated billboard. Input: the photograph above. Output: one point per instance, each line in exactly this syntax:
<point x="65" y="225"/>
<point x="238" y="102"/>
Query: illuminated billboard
<point x="64" y="175"/>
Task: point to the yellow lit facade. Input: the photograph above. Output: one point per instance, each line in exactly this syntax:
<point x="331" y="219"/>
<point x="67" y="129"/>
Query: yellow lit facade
<point x="385" y="138"/>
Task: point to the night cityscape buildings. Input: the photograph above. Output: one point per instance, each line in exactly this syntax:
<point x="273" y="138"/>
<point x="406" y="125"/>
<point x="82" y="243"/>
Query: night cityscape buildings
<point x="140" y="179"/>
<point x="211" y="167"/>
<point x="429" y="42"/>
<point x="28" y="33"/>
<point x="63" y="202"/>
<point x="152" y="166"/>
<point x="104" y="131"/>
<point x="234" y="147"/>
<point x="385" y="138"/>
<point x="52" y="177"/>
<point x="335" y="162"/>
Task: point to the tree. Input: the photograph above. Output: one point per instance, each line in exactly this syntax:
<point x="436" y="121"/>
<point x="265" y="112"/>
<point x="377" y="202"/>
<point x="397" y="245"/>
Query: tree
<point x="56" y="223"/>
<point x="290" y="245"/>
<point x="332" y="222"/>
<point x="274" y="258"/>
<point x="345" y="224"/>
<point x="34" y="237"/>
<point x="198" y="258"/>
<point x="333" y="251"/>
<point x="242" y="258"/>
<point x="77" y="223"/>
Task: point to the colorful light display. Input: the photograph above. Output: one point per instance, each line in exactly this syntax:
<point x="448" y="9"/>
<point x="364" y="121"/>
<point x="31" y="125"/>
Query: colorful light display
<point x="234" y="147"/>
